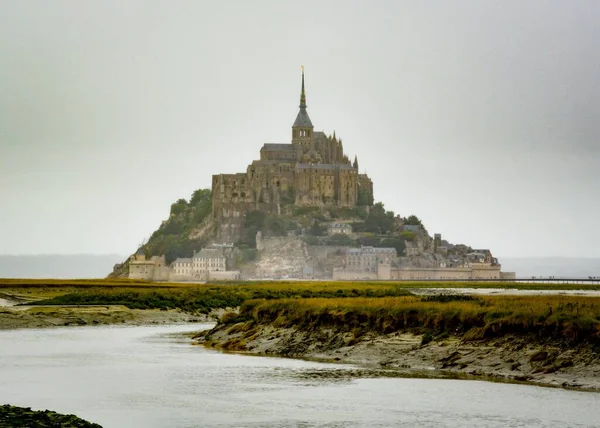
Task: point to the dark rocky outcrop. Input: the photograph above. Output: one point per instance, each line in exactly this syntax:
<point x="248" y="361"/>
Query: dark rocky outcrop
<point x="14" y="417"/>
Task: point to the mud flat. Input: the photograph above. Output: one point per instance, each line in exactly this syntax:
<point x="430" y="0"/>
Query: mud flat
<point x="506" y="359"/>
<point x="502" y="292"/>
<point x="57" y="316"/>
<point x="550" y="341"/>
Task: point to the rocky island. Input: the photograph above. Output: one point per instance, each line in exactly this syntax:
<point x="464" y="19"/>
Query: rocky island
<point x="304" y="210"/>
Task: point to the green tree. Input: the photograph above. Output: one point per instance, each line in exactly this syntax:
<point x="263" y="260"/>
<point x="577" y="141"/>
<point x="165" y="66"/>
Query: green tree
<point x="254" y="219"/>
<point x="398" y="243"/>
<point x="368" y="240"/>
<point x="274" y="225"/>
<point x="200" y="196"/>
<point x="179" y="207"/>
<point x="413" y="220"/>
<point x="316" y="229"/>
<point x="172" y="228"/>
<point x="364" y="198"/>
<point x="379" y="220"/>
<point x="341" y="240"/>
<point x="407" y="235"/>
<point x="253" y="222"/>
<point x="312" y="240"/>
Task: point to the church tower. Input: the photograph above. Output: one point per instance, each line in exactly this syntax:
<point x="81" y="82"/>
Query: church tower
<point x="302" y="129"/>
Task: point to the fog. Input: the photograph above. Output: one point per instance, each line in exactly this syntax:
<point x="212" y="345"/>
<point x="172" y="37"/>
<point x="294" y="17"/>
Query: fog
<point x="478" y="117"/>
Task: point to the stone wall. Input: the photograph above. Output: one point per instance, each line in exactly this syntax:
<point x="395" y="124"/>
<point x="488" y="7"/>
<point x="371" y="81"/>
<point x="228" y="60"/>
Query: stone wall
<point x="230" y="275"/>
<point x="430" y="273"/>
<point x="484" y="271"/>
<point x="340" y="274"/>
<point x="279" y="257"/>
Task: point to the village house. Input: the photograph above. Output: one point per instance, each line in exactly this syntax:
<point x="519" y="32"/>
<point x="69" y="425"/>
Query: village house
<point x="339" y="228"/>
<point x="182" y="267"/>
<point x="366" y="262"/>
<point x="206" y="264"/>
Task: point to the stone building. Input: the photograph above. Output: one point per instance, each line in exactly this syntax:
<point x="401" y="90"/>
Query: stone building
<point x="339" y="228"/>
<point x="182" y="267"/>
<point x="206" y="264"/>
<point x="208" y="260"/>
<point x="311" y="170"/>
<point x="153" y="269"/>
<point x="200" y="266"/>
<point x="367" y="263"/>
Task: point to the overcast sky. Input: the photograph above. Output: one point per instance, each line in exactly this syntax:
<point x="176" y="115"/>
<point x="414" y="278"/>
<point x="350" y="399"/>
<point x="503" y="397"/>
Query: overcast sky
<point x="480" y="117"/>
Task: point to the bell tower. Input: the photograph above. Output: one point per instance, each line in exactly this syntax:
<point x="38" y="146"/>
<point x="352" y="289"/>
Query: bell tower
<point x="302" y="129"/>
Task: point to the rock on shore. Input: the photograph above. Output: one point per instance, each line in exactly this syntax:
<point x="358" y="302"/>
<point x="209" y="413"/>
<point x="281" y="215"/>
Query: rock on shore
<point x="508" y="358"/>
<point x="12" y="417"/>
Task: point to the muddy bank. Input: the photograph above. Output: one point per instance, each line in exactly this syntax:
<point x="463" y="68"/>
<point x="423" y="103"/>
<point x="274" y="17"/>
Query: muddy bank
<point x="58" y="316"/>
<point x="501" y="292"/>
<point x="509" y="358"/>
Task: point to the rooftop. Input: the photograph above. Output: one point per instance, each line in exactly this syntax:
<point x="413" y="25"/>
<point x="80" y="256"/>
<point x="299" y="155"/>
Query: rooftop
<point x="374" y="250"/>
<point x="278" y="147"/>
<point x="302" y="120"/>
<point x="323" y="166"/>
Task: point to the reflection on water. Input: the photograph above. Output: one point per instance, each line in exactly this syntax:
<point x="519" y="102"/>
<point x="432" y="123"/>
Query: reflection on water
<point x="146" y="377"/>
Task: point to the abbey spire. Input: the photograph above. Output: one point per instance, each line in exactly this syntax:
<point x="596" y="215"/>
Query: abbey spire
<point x="302" y="129"/>
<point x="303" y="93"/>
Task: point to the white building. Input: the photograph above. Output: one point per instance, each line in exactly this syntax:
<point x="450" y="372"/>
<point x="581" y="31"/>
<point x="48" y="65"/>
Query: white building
<point x="208" y="260"/>
<point x="182" y="267"/>
<point x="339" y="228"/>
<point x="200" y="266"/>
<point x="206" y="264"/>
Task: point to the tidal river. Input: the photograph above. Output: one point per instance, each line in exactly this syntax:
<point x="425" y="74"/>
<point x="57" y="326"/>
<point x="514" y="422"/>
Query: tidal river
<point x="151" y="377"/>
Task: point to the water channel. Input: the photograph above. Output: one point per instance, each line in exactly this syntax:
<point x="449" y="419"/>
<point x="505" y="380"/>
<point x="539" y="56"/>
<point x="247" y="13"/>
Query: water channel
<point x="153" y="377"/>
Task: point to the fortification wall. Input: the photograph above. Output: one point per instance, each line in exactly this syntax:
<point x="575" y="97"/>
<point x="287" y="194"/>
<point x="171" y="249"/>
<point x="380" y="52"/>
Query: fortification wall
<point x="340" y="274"/>
<point x="224" y="275"/>
<point x="141" y="271"/>
<point x="485" y="271"/>
<point x="431" y="273"/>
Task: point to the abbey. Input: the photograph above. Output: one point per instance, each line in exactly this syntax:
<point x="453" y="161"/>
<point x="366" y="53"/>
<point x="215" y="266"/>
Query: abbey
<point x="311" y="170"/>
